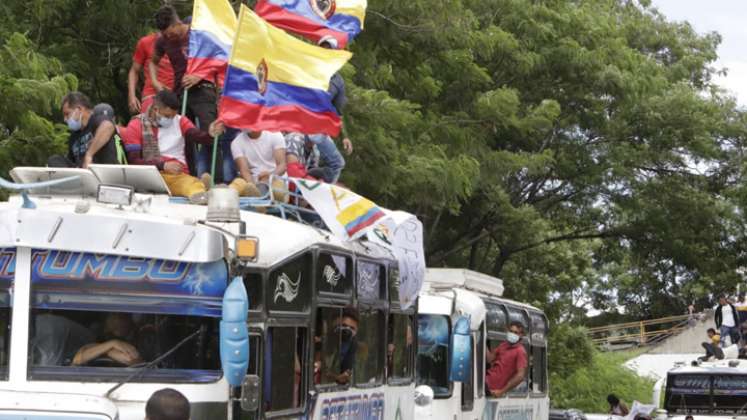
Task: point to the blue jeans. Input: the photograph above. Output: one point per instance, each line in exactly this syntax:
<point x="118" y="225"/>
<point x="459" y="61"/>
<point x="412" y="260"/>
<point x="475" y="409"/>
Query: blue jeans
<point x="204" y="158"/>
<point x="333" y="162"/>
<point x="732" y="332"/>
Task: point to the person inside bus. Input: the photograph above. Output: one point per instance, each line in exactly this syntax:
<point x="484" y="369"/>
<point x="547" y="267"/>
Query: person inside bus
<point x="712" y="347"/>
<point x="56" y="340"/>
<point x="508" y="362"/>
<point x="345" y="331"/>
<point x="119" y="331"/>
<point x="167" y="404"/>
<point x="617" y="407"/>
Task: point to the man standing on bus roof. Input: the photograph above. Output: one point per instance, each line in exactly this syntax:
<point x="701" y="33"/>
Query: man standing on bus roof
<point x="140" y="59"/>
<point x="92" y="133"/>
<point x="726" y="321"/>
<point x="508" y="362"/>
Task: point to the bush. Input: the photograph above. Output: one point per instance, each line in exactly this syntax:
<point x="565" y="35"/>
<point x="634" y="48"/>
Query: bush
<point x="586" y="387"/>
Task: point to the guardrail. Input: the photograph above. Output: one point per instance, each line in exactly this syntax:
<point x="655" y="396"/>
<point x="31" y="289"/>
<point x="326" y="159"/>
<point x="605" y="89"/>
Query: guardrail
<point x="641" y="333"/>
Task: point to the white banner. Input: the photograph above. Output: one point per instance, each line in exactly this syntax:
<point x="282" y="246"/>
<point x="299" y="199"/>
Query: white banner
<point x="347" y="214"/>
<point x="403" y="234"/>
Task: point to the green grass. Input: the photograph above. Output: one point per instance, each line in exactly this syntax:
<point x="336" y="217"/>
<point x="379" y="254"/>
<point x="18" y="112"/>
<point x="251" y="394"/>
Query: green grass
<point x="587" y="387"/>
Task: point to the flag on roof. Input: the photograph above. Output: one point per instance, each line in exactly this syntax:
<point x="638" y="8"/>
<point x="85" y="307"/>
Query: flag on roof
<point x="276" y="82"/>
<point x="316" y="19"/>
<point x="210" y="39"/>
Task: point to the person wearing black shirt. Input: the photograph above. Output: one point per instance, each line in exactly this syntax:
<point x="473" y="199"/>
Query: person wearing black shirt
<point x="91" y="133"/>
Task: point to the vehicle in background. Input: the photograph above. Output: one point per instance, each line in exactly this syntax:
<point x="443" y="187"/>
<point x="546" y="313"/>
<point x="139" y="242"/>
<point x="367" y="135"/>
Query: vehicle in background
<point x="460" y="312"/>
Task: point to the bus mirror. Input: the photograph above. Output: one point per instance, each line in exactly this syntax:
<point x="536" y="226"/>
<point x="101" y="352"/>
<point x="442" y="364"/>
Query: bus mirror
<point x="234" y="336"/>
<point x="461" y="351"/>
<point x="250" y="393"/>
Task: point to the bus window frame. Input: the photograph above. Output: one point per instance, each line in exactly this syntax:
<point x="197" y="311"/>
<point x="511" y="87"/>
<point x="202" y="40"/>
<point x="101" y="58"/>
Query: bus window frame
<point x="379" y="304"/>
<point x="324" y="297"/>
<point x="413" y="324"/>
<point x="527" y="343"/>
<point x="541" y="344"/>
<point x="332" y="387"/>
<point x="259" y="334"/>
<point x="304" y="391"/>
<point x="263" y="274"/>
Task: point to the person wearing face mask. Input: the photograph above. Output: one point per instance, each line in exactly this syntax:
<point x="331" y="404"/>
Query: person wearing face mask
<point x="508" y="363"/>
<point x="344" y="332"/>
<point x="159" y="138"/>
<point x="92" y="133"/>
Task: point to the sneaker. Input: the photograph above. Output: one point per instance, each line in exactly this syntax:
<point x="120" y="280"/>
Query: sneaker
<point x="200" y="198"/>
<point x="206" y="180"/>
<point x="251" y="190"/>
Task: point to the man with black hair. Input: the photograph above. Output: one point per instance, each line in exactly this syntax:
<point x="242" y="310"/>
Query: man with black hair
<point x="167" y="404"/>
<point x="202" y="99"/>
<point x="159" y="138"/>
<point x="92" y="133"/>
<point x="508" y="362"/>
<point x="726" y="321"/>
<point x="712" y="346"/>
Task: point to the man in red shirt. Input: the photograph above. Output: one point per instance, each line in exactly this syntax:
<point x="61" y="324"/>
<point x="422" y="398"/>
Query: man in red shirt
<point x="140" y="59"/>
<point x="159" y="138"/>
<point x="508" y="363"/>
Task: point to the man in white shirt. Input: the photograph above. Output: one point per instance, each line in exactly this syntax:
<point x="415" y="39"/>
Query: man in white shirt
<point x="258" y="156"/>
<point x="726" y="321"/>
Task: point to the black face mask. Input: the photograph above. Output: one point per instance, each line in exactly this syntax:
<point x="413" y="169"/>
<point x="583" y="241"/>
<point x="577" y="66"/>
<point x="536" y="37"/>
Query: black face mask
<point x="346" y="333"/>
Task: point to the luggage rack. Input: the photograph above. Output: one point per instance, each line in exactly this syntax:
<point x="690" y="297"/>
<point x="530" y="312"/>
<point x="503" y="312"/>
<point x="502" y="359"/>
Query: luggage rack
<point x="287" y="210"/>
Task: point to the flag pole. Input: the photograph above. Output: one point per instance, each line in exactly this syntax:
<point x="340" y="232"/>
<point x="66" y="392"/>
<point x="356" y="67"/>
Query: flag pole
<point x="215" y="158"/>
<point x="184" y="102"/>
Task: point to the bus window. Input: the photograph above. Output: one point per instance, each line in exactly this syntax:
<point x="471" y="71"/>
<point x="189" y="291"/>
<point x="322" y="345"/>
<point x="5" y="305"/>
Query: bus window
<point x="7" y="273"/>
<point x="253" y="284"/>
<point x="369" y="360"/>
<point x="496" y="318"/>
<point x="433" y="353"/>
<point x="520" y="316"/>
<point x="103" y="345"/>
<point x="285" y="366"/>
<point x="480" y="361"/>
<point x="371" y="282"/>
<point x="334" y="274"/>
<point x="468" y="387"/>
<point x="539" y="353"/>
<point x="400" y="348"/>
<point x="289" y="286"/>
<point x="499" y="374"/>
<point x="335" y="346"/>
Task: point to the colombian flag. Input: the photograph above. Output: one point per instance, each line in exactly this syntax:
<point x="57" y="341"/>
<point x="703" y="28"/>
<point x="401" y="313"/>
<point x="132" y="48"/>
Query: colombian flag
<point x="210" y="38"/>
<point x="276" y="82"/>
<point x="314" y="19"/>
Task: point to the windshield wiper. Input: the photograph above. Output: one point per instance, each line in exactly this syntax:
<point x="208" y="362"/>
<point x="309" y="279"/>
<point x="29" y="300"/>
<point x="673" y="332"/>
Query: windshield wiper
<point x="155" y="361"/>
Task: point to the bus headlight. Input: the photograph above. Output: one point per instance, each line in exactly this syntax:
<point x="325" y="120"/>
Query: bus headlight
<point x="120" y="195"/>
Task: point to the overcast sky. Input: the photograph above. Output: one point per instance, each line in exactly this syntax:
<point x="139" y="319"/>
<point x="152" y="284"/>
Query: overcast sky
<point x="727" y="17"/>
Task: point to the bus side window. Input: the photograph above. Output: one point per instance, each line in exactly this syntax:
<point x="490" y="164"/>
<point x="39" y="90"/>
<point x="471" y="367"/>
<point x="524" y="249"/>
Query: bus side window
<point x="369" y="360"/>
<point x="335" y="346"/>
<point x="480" y="361"/>
<point x="284" y="368"/>
<point x="400" y="346"/>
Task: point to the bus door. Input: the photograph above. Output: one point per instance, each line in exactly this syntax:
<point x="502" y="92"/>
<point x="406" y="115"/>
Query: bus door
<point x="288" y="303"/>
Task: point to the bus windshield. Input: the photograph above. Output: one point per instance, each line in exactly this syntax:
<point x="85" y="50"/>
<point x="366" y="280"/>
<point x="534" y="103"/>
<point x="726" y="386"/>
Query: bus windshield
<point x="433" y="353"/>
<point x="100" y="317"/>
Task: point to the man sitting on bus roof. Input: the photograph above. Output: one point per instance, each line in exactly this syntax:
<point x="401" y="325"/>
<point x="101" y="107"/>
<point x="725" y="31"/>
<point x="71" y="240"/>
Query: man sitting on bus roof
<point x="712" y="348"/>
<point x="508" y="363"/>
<point x="159" y="137"/>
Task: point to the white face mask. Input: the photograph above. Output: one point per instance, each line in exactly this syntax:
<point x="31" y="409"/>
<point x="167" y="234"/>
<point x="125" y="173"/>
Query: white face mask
<point x="165" y="122"/>
<point x="512" y="338"/>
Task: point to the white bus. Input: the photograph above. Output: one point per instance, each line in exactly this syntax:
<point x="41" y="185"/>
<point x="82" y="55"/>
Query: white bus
<point x="461" y="313"/>
<point x="110" y="256"/>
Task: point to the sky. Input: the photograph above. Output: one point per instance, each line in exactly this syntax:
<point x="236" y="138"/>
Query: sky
<point x="728" y="18"/>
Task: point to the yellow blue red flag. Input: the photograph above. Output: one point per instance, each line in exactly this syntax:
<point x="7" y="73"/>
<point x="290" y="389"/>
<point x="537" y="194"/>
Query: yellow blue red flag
<point x="276" y="82"/>
<point x="210" y="38"/>
<point x="316" y="19"/>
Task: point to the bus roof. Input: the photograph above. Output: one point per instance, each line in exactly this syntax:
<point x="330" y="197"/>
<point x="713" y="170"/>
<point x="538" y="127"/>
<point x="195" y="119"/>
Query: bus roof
<point x="446" y="278"/>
